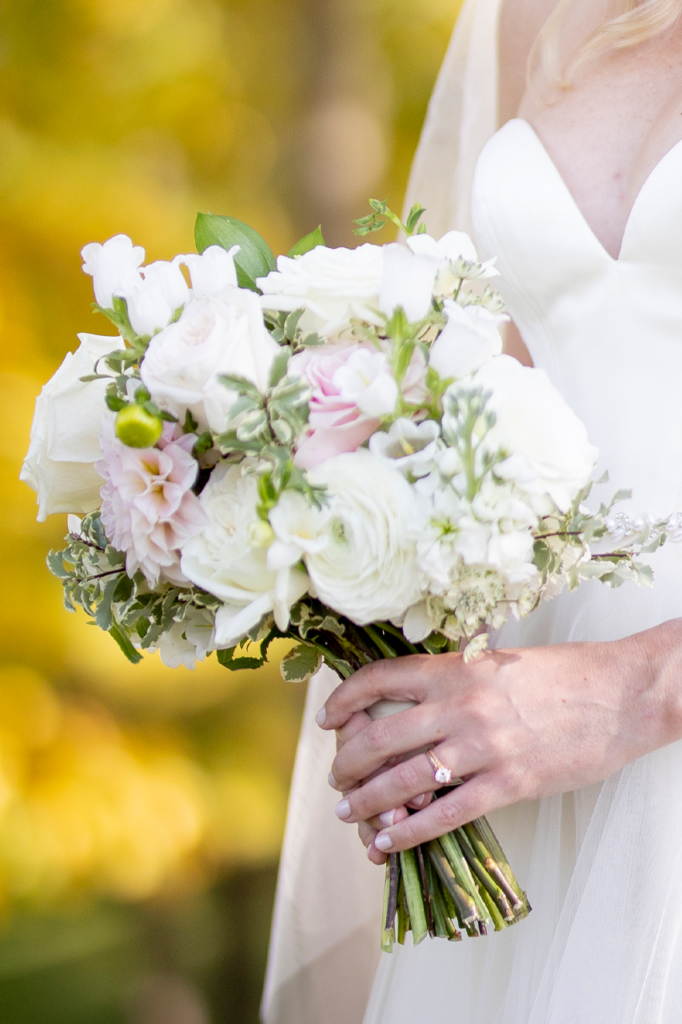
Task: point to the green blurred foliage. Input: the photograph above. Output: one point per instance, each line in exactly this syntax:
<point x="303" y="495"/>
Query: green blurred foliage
<point x="141" y="809"/>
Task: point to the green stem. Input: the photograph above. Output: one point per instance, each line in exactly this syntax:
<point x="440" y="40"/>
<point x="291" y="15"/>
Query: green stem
<point x="490" y="885"/>
<point x="462" y="872"/>
<point x="464" y="904"/>
<point x="413" y="894"/>
<point x="388" y="931"/>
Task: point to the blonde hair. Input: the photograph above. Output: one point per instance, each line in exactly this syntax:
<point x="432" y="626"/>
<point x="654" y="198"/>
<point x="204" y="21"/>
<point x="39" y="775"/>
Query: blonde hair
<point x="638" y="21"/>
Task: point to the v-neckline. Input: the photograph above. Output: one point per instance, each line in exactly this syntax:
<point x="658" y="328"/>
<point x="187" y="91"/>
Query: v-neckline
<point x="579" y="212"/>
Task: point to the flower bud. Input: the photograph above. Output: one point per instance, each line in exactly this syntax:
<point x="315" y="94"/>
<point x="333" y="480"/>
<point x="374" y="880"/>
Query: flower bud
<point x="137" y="428"/>
<point x="261" y="534"/>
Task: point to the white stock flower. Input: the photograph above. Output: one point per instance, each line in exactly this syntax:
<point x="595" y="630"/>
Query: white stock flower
<point x="65" y="443"/>
<point x="366" y="381"/>
<point x="408" y="446"/>
<point x="188" y="641"/>
<point x="114" y="268"/>
<point x="211" y="272"/>
<point x="332" y="285"/>
<point x="550" y="457"/>
<point x="368" y="570"/>
<point x="212" y="337"/>
<point x="407" y="281"/>
<point x="224" y="561"/>
<point x="157" y="298"/>
<point x="470" y="339"/>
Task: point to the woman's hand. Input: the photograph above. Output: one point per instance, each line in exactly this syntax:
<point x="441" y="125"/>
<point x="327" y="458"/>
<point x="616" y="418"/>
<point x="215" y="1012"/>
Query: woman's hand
<point x="515" y="725"/>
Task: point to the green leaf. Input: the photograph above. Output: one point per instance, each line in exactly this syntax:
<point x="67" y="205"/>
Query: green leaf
<point x="279" y="367"/>
<point x="227" y="660"/>
<point x="124" y="643"/>
<point x="241" y="385"/>
<point x="300" y="664"/>
<point x="307" y="243"/>
<point x="255" y="257"/>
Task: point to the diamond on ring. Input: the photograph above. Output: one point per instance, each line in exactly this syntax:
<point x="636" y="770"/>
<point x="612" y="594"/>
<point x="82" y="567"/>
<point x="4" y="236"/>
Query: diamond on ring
<point x="441" y="774"/>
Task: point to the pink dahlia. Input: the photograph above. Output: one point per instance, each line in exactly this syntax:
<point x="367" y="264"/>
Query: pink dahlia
<point x="148" y="508"/>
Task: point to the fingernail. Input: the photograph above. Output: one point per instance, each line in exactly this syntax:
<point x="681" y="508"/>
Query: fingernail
<point x="370" y="847"/>
<point x="383" y="842"/>
<point x="342" y="809"/>
<point x="419" y="800"/>
<point x="332" y="781"/>
<point x="386" y="818"/>
<point x="321" y="717"/>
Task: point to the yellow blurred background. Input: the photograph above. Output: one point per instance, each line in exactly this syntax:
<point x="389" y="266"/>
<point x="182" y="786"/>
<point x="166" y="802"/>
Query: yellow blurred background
<point x="141" y="809"/>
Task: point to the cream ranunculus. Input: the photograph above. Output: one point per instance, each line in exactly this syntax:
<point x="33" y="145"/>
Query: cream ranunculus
<point x="368" y="569"/>
<point x="65" y="443"/>
<point x="224" y="560"/>
<point x="549" y="452"/>
<point x="212" y="337"/>
<point x="332" y="285"/>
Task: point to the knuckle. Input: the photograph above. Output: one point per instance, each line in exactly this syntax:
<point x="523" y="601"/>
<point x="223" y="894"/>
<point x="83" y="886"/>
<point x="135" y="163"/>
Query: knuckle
<point x="377" y="735"/>
<point x="408" y="777"/>
<point x="445" y="812"/>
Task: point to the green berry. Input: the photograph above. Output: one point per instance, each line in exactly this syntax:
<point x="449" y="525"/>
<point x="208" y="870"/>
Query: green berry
<point x="137" y="428"/>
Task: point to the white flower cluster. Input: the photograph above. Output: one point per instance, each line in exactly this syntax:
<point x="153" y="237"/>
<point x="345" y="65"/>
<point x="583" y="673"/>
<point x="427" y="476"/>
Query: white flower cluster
<point x="347" y="429"/>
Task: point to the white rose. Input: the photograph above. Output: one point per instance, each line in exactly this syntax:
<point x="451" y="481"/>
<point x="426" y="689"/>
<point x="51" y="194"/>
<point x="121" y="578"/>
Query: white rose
<point x="470" y="339"/>
<point x="332" y="285"/>
<point x="368" y="570"/>
<point x="224" y="561"/>
<point x="212" y="337"/>
<point x="408" y="446"/>
<point x="114" y="268"/>
<point x="549" y="452"/>
<point x="65" y="444"/>
<point x="157" y="298"/>
<point x="407" y="281"/>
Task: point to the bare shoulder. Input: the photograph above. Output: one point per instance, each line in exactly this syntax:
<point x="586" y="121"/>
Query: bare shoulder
<point x="520" y="25"/>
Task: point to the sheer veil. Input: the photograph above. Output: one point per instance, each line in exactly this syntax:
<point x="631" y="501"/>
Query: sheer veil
<point x="324" y="946"/>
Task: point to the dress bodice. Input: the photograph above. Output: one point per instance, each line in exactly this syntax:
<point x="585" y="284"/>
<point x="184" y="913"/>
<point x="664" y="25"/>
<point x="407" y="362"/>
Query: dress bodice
<point x="608" y="331"/>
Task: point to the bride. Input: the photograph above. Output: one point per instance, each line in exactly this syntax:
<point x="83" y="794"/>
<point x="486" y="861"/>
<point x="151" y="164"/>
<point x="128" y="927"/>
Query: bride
<point x="560" y="148"/>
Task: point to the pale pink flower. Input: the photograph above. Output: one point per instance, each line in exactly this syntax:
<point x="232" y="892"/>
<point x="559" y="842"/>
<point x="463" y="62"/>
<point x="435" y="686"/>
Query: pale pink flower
<point x="336" y="424"/>
<point x="149" y="510"/>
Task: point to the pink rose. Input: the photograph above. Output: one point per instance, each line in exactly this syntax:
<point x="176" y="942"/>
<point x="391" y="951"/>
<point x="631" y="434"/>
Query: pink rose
<point x="336" y="424"/>
<point x="149" y="510"/>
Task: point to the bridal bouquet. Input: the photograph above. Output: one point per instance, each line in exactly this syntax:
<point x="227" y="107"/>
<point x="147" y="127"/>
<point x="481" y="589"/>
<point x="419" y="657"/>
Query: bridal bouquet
<point x="329" y="447"/>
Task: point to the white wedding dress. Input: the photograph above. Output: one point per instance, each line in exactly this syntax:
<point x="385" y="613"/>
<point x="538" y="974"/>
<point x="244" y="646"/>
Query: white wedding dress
<point x="602" y="866"/>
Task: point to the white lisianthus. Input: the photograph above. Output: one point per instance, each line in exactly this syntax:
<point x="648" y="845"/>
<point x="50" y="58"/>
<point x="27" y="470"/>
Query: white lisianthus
<point x="407" y="282"/>
<point x="224" y="561"/>
<point x="470" y="339"/>
<point x="365" y="380"/>
<point x="212" y="337"/>
<point x="65" y="443"/>
<point x="368" y="570"/>
<point x="550" y="456"/>
<point x="408" y="446"/>
<point x="334" y="286"/>
<point x="114" y="268"/>
<point x="212" y="271"/>
<point x="157" y="298"/>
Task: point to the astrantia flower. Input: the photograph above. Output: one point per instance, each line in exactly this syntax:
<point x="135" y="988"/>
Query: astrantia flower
<point x="148" y="508"/>
<point x="368" y="570"/>
<point x="183" y="363"/>
<point x="224" y="560"/>
<point x="332" y="285"/>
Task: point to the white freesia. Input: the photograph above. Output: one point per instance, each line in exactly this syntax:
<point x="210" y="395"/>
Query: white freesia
<point x="407" y="282"/>
<point x="212" y="337"/>
<point x="65" y="444"/>
<point x="157" y="298"/>
<point x="366" y="381"/>
<point x="114" y="268"/>
<point x="332" y="285"/>
<point x="299" y="530"/>
<point x="212" y="271"/>
<point x="223" y="560"/>
<point x="549" y="451"/>
<point x="470" y="339"/>
<point x="368" y="570"/>
<point x="408" y="446"/>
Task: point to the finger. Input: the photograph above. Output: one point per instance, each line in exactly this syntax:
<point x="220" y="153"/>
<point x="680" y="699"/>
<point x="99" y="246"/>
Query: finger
<point x="400" y="679"/>
<point x="402" y="784"/>
<point x="420" y="801"/>
<point x="388" y="818"/>
<point x="372" y="748"/>
<point x="355" y="725"/>
<point x="367" y="836"/>
<point x="479" y="796"/>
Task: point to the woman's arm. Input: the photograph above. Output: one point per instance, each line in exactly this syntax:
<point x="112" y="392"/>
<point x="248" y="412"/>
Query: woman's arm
<point x="515" y="724"/>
